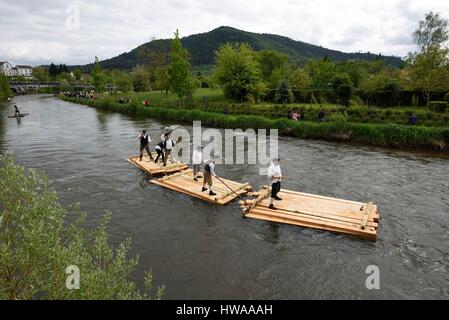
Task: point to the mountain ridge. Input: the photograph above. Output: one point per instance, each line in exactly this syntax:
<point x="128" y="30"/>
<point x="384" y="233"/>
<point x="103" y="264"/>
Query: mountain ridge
<point x="202" y="48"/>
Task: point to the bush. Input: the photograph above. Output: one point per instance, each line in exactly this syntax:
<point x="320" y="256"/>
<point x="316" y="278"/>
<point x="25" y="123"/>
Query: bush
<point x="37" y="245"/>
<point x="438" y="106"/>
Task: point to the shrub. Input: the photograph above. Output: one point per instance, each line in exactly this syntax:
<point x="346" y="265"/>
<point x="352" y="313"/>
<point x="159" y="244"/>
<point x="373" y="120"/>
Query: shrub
<point x="438" y="106"/>
<point x="37" y="245"/>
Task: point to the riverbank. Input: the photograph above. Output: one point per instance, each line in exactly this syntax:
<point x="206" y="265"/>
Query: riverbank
<point x="383" y="135"/>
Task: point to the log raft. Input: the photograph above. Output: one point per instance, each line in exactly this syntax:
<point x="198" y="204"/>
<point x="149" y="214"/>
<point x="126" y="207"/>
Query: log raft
<point x="318" y="212"/>
<point x="155" y="169"/>
<point x="183" y="182"/>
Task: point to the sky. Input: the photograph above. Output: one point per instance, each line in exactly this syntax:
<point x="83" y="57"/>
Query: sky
<point x="75" y="31"/>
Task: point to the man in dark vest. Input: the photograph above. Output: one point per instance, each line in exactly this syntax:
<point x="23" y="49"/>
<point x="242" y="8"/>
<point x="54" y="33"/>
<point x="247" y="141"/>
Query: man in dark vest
<point x="145" y="140"/>
<point x="209" y="172"/>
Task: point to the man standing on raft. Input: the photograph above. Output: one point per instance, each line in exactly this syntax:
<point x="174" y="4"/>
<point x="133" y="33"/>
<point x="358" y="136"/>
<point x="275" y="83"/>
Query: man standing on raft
<point x="275" y="176"/>
<point x="144" y="144"/>
<point x="207" y="176"/>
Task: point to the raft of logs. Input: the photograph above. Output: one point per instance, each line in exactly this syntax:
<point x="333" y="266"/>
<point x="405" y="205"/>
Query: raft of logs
<point x="296" y="208"/>
<point x="183" y="182"/>
<point x="155" y="169"/>
<point x="318" y="212"/>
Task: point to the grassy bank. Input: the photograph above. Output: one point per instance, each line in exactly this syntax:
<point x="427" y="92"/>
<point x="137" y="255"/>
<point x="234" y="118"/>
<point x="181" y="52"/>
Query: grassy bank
<point x="212" y="100"/>
<point x="384" y="135"/>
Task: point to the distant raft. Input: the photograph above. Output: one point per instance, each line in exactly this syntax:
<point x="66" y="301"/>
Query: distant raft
<point x="155" y="169"/>
<point x="183" y="182"/>
<point x="318" y="212"/>
<point x="20" y="115"/>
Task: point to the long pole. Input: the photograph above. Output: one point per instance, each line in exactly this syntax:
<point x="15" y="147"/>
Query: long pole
<point x="232" y="190"/>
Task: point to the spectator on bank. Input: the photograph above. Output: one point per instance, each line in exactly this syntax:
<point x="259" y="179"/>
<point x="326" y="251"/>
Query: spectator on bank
<point x="413" y="119"/>
<point x="302" y="117"/>
<point x="290" y="114"/>
<point x="295" y="116"/>
<point x="322" y="116"/>
<point x="226" y="110"/>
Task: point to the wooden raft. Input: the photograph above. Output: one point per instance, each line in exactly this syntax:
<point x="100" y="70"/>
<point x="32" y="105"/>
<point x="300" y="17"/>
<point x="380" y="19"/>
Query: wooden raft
<point x="154" y="169"/>
<point x="183" y="182"/>
<point x="312" y="211"/>
<point x="21" y="115"/>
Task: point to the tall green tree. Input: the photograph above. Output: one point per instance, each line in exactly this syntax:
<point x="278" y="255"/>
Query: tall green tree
<point x="141" y="79"/>
<point x="98" y="77"/>
<point x="432" y="32"/>
<point x="38" y="247"/>
<point x="179" y="70"/>
<point x="5" y="92"/>
<point x="300" y="81"/>
<point x="343" y="88"/>
<point x="53" y="71"/>
<point x="429" y="68"/>
<point x="236" y="69"/>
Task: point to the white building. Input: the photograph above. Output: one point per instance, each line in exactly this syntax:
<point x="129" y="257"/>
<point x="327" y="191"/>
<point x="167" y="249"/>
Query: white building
<point x="24" y="71"/>
<point x="6" y="68"/>
<point x="20" y="70"/>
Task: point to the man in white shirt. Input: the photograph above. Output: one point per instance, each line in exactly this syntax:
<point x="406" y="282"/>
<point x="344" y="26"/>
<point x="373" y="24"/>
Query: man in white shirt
<point x="275" y="176"/>
<point x="197" y="160"/>
<point x="169" y="145"/>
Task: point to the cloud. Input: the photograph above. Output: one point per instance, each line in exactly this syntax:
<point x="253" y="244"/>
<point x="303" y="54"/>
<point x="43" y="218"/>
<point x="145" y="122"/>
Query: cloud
<point x="36" y="32"/>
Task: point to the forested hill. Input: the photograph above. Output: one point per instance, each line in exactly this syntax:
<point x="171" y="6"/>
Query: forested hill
<point x="202" y="47"/>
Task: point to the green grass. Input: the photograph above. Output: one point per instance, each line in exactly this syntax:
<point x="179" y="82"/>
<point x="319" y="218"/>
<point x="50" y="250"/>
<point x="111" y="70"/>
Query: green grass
<point x="385" y="135"/>
<point x="213" y="100"/>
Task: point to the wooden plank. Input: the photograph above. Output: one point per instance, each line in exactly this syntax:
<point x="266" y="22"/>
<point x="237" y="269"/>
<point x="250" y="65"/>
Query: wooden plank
<point x="317" y="212"/>
<point x="368" y="236"/>
<point x="184" y="183"/>
<point x="153" y="169"/>
<point x="323" y="216"/>
<point x="366" y="215"/>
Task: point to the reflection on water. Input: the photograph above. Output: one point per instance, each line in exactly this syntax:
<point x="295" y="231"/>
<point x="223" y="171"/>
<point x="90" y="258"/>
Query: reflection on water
<point x="201" y="251"/>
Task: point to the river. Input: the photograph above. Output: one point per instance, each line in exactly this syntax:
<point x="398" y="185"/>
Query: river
<point x="201" y="251"/>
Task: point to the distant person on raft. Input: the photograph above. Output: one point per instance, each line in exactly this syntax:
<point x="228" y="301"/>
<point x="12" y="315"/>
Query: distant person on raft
<point x="17" y="110"/>
<point x="144" y="144"/>
<point x="197" y="160"/>
<point x="275" y="176"/>
<point x="160" y="149"/>
<point x="209" y="172"/>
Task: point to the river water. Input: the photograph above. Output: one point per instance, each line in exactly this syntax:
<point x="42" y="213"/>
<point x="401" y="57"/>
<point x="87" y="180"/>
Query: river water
<point x="200" y="251"/>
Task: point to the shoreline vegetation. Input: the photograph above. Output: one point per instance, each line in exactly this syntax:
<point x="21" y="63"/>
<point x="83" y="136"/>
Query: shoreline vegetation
<point x="382" y="127"/>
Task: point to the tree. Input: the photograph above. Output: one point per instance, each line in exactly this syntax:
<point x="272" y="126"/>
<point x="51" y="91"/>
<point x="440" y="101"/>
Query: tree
<point x="237" y="69"/>
<point x="162" y="80"/>
<point x="141" y="79"/>
<point x="41" y="74"/>
<point x="269" y="62"/>
<point x="78" y="74"/>
<point x="284" y="94"/>
<point x="53" y="71"/>
<point x="343" y="88"/>
<point x="123" y="80"/>
<point x="429" y="68"/>
<point x="428" y="72"/>
<point x="179" y="70"/>
<point x="98" y="77"/>
<point x="300" y="82"/>
<point x="322" y="73"/>
<point x="5" y="91"/>
<point x="432" y="32"/>
<point x="37" y="246"/>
